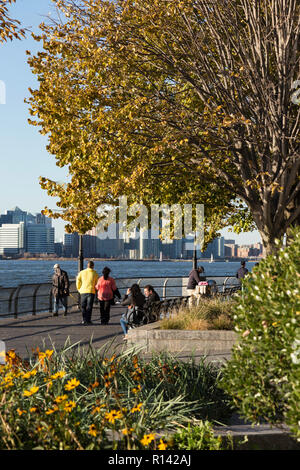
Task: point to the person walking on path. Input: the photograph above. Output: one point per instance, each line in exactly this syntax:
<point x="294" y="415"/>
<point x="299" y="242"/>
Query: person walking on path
<point x="133" y="298"/>
<point x="107" y="290"/>
<point x="85" y="284"/>
<point x="60" y="289"/>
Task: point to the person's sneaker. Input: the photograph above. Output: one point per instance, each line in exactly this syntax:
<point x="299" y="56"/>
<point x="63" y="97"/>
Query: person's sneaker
<point x="65" y="314"/>
<point x="55" y="315"/>
<point x="84" y="322"/>
<point x="90" y="322"/>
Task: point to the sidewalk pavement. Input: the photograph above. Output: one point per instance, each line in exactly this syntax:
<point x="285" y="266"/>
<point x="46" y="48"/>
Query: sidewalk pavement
<point x="27" y="332"/>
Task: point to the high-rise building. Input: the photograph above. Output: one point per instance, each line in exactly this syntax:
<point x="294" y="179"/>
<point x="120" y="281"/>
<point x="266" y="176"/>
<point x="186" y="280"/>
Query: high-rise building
<point x="42" y="219"/>
<point x="12" y="239"/>
<point x="71" y="245"/>
<point x="5" y="219"/>
<point x="230" y="248"/>
<point x="39" y="238"/>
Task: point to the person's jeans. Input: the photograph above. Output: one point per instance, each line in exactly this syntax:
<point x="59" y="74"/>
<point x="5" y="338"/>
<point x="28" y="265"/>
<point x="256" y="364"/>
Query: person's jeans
<point x="87" y="302"/>
<point x="123" y="322"/>
<point x="64" y="300"/>
<point x="104" y="311"/>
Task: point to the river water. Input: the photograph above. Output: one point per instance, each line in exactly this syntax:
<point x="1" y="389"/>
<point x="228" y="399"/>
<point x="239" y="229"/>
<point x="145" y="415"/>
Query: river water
<point x="15" y="272"/>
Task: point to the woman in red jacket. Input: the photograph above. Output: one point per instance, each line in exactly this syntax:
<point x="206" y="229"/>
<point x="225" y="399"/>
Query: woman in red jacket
<point x="107" y="289"/>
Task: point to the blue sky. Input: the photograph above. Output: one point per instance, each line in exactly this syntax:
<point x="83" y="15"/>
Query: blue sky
<point x="23" y="152"/>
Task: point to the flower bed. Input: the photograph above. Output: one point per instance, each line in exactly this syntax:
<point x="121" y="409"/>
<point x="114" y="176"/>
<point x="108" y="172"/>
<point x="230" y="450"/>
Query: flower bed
<point x="64" y="400"/>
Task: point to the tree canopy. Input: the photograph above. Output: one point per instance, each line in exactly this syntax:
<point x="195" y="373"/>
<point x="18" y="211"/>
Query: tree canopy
<point x="9" y="27"/>
<point x="173" y="102"/>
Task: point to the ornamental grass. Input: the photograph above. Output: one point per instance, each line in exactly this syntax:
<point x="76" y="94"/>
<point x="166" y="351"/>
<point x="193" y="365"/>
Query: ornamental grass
<point x="210" y="314"/>
<point x="71" y="400"/>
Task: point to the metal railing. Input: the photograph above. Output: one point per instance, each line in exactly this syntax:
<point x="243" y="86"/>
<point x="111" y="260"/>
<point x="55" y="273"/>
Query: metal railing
<point x="37" y="298"/>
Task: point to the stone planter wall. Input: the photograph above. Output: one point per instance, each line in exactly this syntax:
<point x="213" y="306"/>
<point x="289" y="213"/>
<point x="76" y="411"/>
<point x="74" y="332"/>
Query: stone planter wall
<point x="211" y="343"/>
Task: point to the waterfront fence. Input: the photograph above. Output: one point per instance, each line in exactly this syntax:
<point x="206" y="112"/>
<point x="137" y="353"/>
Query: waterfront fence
<point x="38" y="298"/>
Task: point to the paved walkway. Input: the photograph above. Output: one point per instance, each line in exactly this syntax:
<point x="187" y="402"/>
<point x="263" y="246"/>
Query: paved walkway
<point x="45" y="331"/>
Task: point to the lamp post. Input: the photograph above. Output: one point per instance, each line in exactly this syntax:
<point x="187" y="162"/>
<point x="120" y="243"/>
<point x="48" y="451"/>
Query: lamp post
<point x="80" y="263"/>
<point x="80" y="253"/>
<point x="195" y="254"/>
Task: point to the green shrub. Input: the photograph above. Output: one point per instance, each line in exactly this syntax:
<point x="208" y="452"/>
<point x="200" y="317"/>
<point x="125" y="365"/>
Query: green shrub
<point x="263" y="374"/>
<point x="200" y="437"/>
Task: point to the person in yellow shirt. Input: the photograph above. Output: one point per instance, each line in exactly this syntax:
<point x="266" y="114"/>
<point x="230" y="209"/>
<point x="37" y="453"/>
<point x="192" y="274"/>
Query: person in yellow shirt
<point x="85" y="284"/>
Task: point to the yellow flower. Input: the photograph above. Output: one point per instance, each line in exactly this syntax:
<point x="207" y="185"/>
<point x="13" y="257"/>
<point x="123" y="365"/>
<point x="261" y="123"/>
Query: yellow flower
<point x="113" y="415"/>
<point x="137" y="408"/>
<point x="127" y="432"/>
<point x="162" y="445"/>
<point x="27" y="375"/>
<point x="61" y="398"/>
<point x="97" y="409"/>
<point x="58" y="375"/>
<point x="69" y="405"/>
<point x="48" y="353"/>
<point x="275" y="323"/>
<point x="20" y="412"/>
<point x="28" y="393"/>
<point x="71" y="384"/>
<point x="33" y="409"/>
<point x="9" y="384"/>
<point x="94" y="385"/>
<point x="52" y="410"/>
<point x="136" y="389"/>
<point x="93" y="430"/>
<point x="147" y="439"/>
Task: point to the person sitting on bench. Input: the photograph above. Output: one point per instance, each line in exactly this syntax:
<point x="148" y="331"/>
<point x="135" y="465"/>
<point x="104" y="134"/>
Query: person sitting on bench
<point x="132" y="299"/>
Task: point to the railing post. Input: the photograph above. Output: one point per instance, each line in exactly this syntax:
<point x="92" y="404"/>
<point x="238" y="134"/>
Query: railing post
<point x="34" y="300"/>
<point x="16" y="301"/>
<point x="165" y="288"/>
<point x="224" y="283"/>
<point x="10" y="299"/>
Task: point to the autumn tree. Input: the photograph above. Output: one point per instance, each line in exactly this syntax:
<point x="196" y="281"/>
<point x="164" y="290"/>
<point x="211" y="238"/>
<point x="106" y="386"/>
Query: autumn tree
<point x="9" y="27"/>
<point x="190" y="99"/>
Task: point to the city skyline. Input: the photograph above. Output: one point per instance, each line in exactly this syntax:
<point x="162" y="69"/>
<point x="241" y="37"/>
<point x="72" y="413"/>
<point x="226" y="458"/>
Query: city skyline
<point x="23" y="234"/>
<point x="22" y="146"/>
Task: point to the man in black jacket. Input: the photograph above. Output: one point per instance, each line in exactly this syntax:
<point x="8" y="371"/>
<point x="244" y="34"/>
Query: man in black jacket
<point x="60" y="289"/>
<point x="151" y="295"/>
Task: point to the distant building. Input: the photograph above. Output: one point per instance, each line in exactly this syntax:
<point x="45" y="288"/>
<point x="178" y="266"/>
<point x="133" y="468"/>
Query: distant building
<point x="42" y="219"/>
<point x="12" y="239"/>
<point x="216" y="249"/>
<point x="58" y="248"/>
<point x="36" y="234"/>
<point x="39" y="239"/>
<point x="230" y="249"/>
<point x="5" y="219"/>
<point x="71" y="245"/>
